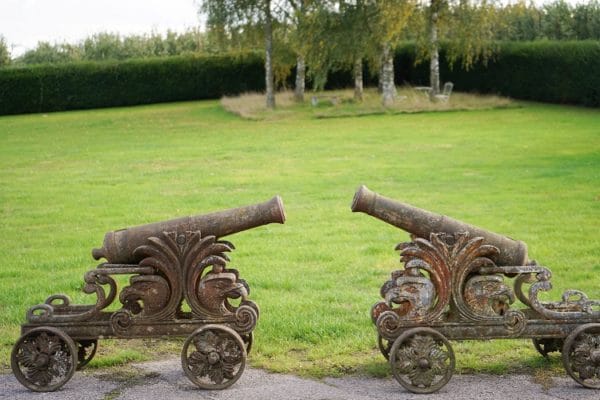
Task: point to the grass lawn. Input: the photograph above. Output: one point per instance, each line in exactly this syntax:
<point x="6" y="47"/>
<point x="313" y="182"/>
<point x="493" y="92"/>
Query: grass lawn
<point x="532" y="173"/>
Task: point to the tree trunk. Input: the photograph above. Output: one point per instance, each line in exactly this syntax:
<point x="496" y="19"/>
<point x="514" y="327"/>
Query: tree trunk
<point x="269" y="77"/>
<point x="300" y="79"/>
<point x="434" y="62"/>
<point x="358" y="80"/>
<point x="380" y="80"/>
<point x="387" y="78"/>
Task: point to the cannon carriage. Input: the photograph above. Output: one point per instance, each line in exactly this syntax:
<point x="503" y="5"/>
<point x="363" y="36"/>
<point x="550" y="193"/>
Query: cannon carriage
<point x="180" y="284"/>
<point x="460" y="282"/>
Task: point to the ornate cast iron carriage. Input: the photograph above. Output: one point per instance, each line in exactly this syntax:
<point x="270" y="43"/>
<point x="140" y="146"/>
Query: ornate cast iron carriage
<point x="169" y="263"/>
<point x="455" y="285"/>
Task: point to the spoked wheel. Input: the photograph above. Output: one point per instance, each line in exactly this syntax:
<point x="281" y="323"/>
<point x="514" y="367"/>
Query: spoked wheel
<point x="86" y="349"/>
<point x="384" y="346"/>
<point x="44" y="359"/>
<point x="581" y="355"/>
<point x="545" y="346"/>
<point x="213" y="357"/>
<point x="422" y="360"/>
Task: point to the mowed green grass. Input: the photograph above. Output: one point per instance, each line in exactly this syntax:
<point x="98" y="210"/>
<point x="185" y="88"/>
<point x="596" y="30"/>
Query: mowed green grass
<point x="532" y="173"/>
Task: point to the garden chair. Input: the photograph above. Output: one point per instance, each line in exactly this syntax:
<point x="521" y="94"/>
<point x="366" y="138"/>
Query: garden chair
<point x="445" y="95"/>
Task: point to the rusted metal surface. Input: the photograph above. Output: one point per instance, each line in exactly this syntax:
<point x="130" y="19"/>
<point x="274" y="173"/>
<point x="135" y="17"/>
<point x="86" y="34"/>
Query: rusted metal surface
<point x="168" y="263"/>
<point x="213" y="357"/>
<point x="119" y="246"/>
<point x="459" y="282"/>
<point x="422" y="223"/>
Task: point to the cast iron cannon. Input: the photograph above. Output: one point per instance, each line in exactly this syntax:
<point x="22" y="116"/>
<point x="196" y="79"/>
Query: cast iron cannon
<point x="454" y="286"/>
<point x="423" y="223"/>
<point x="168" y="263"/>
<point x="119" y="246"/>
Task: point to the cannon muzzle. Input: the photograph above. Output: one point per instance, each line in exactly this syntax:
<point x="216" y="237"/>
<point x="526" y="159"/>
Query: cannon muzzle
<point x="423" y="223"/>
<point x="119" y="245"/>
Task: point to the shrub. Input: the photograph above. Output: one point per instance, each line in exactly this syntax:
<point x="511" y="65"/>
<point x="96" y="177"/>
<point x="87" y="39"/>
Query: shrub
<point x="91" y="85"/>
<point x="554" y="72"/>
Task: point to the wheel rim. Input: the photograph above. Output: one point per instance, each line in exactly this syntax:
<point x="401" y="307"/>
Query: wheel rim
<point x="248" y="340"/>
<point x="86" y="349"/>
<point x="546" y="346"/>
<point x="213" y="357"/>
<point x="422" y="360"/>
<point x="581" y="355"/>
<point x="44" y="359"/>
<point x="384" y="346"/>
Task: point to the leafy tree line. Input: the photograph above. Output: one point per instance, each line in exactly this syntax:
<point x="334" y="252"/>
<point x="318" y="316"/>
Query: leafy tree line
<point x="4" y="53"/>
<point x="336" y="34"/>
<point x="316" y="37"/>
<point x="112" y="46"/>
<point x="557" y="20"/>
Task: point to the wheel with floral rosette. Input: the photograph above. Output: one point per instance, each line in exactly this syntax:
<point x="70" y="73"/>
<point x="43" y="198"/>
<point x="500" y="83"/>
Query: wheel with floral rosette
<point x="214" y="357"/>
<point x="422" y="360"/>
<point x="44" y="359"/>
<point x="581" y="355"/>
<point x="86" y="349"/>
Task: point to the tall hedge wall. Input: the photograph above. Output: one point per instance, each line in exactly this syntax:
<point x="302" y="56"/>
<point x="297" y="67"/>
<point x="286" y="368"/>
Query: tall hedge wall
<point x="557" y="72"/>
<point x="107" y="84"/>
<point x="553" y="72"/>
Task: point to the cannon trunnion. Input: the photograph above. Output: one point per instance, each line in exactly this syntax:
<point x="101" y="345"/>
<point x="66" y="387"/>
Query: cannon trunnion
<point x="461" y="282"/>
<point x="180" y="284"/>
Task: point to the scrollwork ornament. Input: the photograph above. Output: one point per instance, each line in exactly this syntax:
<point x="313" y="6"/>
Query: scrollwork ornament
<point x="40" y="313"/>
<point x="121" y="321"/>
<point x="246" y="318"/>
<point x="515" y="322"/>
<point x="388" y="324"/>
<point x="377" y="309"/>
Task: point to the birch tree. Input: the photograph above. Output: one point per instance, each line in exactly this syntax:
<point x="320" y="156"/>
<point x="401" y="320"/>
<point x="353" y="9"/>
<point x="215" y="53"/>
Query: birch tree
<point x="233" y="14"/>
<point x="298" y="14"/>
<point x="347" y="32"/>
<point x="4" y="52"/>
<point x="467" y="26"/>
<point x="356" y="37"/>
<point x="339" y="36"/>
<point x="391" y="19"/>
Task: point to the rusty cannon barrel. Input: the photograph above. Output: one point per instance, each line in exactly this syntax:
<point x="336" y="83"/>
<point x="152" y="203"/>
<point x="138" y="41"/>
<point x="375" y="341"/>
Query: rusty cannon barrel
<point x="422" y="223"/>
<point x="119" y="245"/>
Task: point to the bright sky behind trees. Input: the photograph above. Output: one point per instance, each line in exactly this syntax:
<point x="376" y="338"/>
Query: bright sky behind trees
<point x="24" y="23"/>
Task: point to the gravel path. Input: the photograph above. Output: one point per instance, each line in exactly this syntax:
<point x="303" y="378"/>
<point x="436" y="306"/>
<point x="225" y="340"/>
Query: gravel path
<point x="165" y="380"/>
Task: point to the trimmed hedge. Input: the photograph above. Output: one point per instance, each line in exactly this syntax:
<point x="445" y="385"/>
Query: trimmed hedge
<point x="553" y="72"/>
<point x="47" y="88"/>
<point x="556" y="72"/>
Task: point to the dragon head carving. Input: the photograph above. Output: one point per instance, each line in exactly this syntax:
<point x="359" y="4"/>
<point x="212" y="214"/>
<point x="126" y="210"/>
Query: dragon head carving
<point x="488" y="295"/>
<point x="215" y="288"/>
